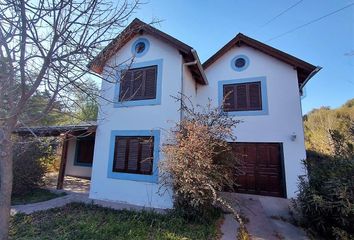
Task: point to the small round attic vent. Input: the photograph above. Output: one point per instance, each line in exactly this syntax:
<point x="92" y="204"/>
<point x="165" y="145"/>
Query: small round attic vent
<point x="140" y="47"/>
<point x="240" y="63"/>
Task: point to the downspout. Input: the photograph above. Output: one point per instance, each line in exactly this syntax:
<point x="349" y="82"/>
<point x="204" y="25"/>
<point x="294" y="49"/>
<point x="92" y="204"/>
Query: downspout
<point x="182" y="85"/>
<point x="316" y="70"/>
<point x="201" y="70"/>
<point x="200" y="67"/>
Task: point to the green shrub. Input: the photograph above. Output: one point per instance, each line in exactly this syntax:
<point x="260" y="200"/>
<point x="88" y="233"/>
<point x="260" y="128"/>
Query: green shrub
<point x="30" y="159"/>
<point x="326" y="197"/>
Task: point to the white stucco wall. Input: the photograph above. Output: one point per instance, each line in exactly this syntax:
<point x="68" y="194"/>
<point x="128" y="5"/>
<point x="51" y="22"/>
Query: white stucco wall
<point x="284" y="117"/>
<point x="284" y="111"/>
<point x="70" y="168"/>
<point x="154" y="117"/>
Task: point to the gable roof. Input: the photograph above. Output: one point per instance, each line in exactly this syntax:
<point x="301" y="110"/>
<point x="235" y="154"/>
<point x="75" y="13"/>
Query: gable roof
<point x="139" y="27"/>
<point x="304" y="69"/>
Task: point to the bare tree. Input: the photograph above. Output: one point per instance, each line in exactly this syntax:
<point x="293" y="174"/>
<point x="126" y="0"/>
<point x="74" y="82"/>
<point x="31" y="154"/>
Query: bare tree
<point x="45" y="45"/>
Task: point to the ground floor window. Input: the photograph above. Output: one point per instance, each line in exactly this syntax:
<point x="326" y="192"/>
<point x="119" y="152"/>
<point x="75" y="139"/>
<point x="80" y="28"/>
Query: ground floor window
<point x="134" y="155"/>
<point x="84" y="151"/>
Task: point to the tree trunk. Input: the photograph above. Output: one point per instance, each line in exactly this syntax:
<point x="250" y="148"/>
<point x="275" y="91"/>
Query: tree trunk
<point x="6" y="175"/>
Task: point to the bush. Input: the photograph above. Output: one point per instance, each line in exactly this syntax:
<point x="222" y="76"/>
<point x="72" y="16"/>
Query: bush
<point x="30" y="159"/>
<point x="199" y="162"/>
<point x="326" y="197"/>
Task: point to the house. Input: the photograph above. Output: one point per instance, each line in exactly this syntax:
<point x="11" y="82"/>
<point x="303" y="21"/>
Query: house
<point x="263" y="86"/>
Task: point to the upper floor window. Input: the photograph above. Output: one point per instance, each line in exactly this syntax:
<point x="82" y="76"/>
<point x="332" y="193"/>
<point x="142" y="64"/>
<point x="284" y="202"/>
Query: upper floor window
<point x="133" y="154"/>
<point x="242" y="97"/>
<point x="138" y="84"/>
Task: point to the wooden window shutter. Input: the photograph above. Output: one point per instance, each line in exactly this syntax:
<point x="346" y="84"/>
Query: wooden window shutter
<point x="146" y="156"/>
<point x="150" y="82"/>
<point x="241" y="97"/>
<point x="125" y="85"/>
<point x="229" y="98"/>
<point x="120" y="154"/>
<point x="132" y="163"/>
<point x="138" y="84"/>
<point x="255" y="98"/>
<point x="133" y="155"/>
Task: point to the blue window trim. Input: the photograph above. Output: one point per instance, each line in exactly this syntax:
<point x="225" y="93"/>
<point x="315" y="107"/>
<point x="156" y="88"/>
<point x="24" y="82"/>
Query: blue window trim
<point x="133" y="176"/>
<point x="156" y="101"/>
<point x="242" y="68"/>
<point x="139" y="40"/>
<point x="76" y="163"/>
<point x="263" y="81"/>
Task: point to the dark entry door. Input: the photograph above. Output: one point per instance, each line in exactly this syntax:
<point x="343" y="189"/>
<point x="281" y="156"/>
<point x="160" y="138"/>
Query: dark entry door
<point x="262" y="167"/>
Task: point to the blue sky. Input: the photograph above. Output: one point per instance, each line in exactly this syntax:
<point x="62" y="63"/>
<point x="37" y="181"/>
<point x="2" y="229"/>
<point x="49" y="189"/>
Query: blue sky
<point x="207" y="25"/>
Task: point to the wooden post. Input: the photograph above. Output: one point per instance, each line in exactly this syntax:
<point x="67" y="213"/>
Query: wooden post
<point x="64" y="152"/>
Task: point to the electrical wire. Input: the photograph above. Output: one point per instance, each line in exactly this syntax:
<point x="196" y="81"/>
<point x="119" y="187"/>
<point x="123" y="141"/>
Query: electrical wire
<point x="272" y="19"/>
<point x="310" y="22"/>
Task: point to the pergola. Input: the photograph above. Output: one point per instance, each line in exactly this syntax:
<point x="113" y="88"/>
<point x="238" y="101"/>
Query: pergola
<point x="64" y="132"/>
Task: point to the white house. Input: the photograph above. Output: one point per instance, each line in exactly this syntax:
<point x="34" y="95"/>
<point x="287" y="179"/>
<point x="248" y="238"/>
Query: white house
<point x="264" y="86"/>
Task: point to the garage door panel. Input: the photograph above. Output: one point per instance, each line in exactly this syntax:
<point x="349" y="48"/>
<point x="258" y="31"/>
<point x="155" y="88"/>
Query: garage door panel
<point x="269" y="186"/>
<point x="262" y="155"/>
<point x="249" y="168"/>
<point x="262" y="168"/>
<point x="247" y="154"/>
<point x="269" y="170"/>
<point x="249" y="184"/>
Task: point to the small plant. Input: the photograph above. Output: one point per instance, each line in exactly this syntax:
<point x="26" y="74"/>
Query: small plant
<point x="199" y="162"/>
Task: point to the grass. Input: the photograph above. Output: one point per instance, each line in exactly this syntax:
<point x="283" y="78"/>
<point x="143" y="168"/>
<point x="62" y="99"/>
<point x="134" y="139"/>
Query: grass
<point x="37" y="195"/>
<point x="81" y="221"/>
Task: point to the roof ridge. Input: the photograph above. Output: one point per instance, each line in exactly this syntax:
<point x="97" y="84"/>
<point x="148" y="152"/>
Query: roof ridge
<point x="137" y="26"/>
<point x="304" y="69"/>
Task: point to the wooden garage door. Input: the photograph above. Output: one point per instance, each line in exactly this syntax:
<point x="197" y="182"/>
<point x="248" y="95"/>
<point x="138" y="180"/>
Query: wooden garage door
<point x="262" y="167"/>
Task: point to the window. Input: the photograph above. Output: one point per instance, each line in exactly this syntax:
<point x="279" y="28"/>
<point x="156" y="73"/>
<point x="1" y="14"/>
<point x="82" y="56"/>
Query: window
<point x="84" y="151"/>
<point x="140" y="47"/>
<point x="239" y="63"/>
<point x="133" y="154"/>
<point x="242" y="96"/>
<point x="138" y="84"/>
